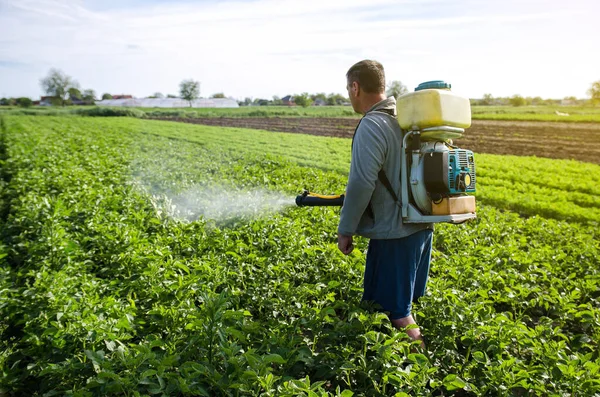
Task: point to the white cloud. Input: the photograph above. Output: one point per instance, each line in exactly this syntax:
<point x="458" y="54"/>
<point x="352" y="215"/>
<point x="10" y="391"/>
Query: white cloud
<point x="262" y="48"/>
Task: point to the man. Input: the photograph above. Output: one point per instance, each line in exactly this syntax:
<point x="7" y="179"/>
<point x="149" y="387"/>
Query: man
<point x="399" y="254"/>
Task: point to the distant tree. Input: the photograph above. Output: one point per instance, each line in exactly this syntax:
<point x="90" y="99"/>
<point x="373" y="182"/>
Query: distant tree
<point x="106" y="95"/>
<point x="57" y="84"/>
<point x="594" y="92"/>
<point x="3" y="102"/>
<point x="276" y="101"/>
<point x="395" y="88"/>
<point x="189" y="90"/>
<point x="24" y="102"/>
<point x="303" y="100"/>
<point x="171" y="96"/>
<point x="12" y="102"/>
<point x="537" y="100"/>
<point x="336" y="99"/>
<point x="517" y="100"/>
<point x="218" y="95"/>
<point x="260" y="102"/>
<point x="89" y="95"/>
<point x="487" y="100"/>
<point x="158" y="95"/>
<point x="74" y="94"/>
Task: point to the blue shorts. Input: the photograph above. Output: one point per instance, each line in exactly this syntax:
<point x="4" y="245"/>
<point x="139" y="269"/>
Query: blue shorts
<point x="396" y="272"/>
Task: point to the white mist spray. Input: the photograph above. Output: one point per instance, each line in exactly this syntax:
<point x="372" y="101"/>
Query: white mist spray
<point x="221" y="204"/>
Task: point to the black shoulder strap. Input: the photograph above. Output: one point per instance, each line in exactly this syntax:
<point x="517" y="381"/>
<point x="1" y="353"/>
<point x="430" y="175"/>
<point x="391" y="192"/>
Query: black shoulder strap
<point x="386" y="182"/>
<point x="381" y="175"/>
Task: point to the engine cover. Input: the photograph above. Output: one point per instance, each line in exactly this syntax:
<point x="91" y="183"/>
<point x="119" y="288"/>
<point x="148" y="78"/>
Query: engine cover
<point x="449" y="172"/>
<point x="438" y="172"/>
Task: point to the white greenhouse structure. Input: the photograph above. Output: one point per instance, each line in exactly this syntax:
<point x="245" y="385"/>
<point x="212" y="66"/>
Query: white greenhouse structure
<point x="169" y="103"/>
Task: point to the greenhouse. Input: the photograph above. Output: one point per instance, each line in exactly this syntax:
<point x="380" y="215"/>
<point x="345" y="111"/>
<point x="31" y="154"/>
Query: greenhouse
<point x="170" y="103"/>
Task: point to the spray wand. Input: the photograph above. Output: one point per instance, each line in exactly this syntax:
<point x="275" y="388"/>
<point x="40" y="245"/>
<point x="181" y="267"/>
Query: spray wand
<point x="308" y="199"/>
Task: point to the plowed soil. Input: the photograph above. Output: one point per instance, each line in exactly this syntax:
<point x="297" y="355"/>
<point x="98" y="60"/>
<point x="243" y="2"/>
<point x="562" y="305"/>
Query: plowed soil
<point x="577" y="141"/>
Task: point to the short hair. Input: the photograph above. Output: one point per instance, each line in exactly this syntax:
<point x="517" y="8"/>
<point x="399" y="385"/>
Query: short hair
<point x="369" y="75"/>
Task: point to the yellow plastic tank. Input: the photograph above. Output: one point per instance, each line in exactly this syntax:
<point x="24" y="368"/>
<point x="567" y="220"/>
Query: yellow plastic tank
<point x="432" y="104"/>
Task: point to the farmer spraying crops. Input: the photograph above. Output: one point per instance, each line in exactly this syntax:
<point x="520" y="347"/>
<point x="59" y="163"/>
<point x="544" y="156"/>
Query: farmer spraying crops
<point x="399" y="253"/>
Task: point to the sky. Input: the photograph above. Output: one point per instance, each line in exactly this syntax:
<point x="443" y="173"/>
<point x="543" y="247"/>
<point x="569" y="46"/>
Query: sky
<point x="262" y="48"/>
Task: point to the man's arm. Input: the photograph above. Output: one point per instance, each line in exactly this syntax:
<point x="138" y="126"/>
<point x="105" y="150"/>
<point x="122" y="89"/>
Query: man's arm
<point x="368" y="155"/>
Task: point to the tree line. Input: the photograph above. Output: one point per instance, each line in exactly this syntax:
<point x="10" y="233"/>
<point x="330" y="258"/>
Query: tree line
<point x="61" y="90"/>
<point x="518" y="100"/>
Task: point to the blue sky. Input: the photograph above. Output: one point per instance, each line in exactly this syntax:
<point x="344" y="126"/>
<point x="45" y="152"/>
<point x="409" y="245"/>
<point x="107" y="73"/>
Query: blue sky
<point x="261" y="48"/>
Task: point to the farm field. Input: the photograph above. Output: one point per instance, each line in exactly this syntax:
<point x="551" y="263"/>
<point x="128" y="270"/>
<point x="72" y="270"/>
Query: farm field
<point x="576" y="114"/>
<point x="525" y="113"/>
<point x="579" y="141"/>
<point x="114" y="281"/>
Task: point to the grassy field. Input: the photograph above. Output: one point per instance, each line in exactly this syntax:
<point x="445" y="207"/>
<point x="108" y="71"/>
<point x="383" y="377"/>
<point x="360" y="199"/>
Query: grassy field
<point x="525" y="113"/>
<point x="537" y="113"/>
<point x="107" y="286"/>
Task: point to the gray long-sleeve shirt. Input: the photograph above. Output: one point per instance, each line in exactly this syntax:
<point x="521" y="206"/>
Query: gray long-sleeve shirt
<point x="377" y="145"/>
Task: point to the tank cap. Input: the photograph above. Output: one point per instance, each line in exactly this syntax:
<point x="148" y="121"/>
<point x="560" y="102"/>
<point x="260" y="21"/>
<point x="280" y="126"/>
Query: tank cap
<point x="434" y="84"/>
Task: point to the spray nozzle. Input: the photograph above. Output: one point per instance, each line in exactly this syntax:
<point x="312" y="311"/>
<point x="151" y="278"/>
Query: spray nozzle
<point x="308" y="199"/>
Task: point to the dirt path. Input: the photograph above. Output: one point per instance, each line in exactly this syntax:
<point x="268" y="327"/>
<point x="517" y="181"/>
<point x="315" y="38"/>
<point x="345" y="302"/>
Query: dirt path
<point x="577" y="141"/>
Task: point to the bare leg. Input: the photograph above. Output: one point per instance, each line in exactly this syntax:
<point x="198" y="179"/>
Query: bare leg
<point x="413" y="333"/>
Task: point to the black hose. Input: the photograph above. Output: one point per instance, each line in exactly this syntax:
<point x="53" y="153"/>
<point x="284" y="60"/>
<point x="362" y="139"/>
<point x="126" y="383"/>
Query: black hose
<point x="304" y="200"/>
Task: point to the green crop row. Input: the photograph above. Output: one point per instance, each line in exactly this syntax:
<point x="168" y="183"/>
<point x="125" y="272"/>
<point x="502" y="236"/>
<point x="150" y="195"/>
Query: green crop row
<point x="104" y="291"/>
<point x="560" y="189"/>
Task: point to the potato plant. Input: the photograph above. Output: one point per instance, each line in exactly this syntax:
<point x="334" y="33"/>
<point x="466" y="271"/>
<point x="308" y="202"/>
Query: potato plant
<point x="103" y="291"/>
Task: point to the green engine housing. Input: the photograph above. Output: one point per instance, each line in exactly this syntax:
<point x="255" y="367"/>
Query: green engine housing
<point x="450" y="172"/>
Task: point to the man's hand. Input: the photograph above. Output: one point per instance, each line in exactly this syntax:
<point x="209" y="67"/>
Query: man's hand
<point x="345" y="244"/>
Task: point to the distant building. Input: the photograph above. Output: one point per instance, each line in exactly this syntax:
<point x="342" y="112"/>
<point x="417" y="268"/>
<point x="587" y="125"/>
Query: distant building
<point x="80" y="102"/>
<point x="122" y="97"/>
<point x="319" y="102"/>
<point x="288" y="100"/>
<point x="47" y="100"/>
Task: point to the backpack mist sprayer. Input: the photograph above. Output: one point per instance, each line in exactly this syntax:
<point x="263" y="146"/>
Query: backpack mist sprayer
<point x="436" y="176"/>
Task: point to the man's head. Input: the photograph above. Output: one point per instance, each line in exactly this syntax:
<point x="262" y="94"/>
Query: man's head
<point x="365" y="84"/>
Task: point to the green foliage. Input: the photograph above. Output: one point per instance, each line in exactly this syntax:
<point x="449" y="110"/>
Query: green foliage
<point x="189" y="90"/>
<point x="517" y="100"/>
<point x="75" y="94"/>
<point x="102" y="292"/>
<point x="218" y="95"/>
<point x="57" y="84"/>
<point x="487" y="100"/>
<point x="594" y="93"/>
<point x="24" y="102"/>
<point x="8" y="102"/>
<point x="336" y="100"/>
<point x="319" y="98"/>
<point x="303" y="100"/>
<point x="109" y="112"/>
<point x="89" y="95"/>
<point x="106" y="96"/>
<point x="396" y="88"/>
